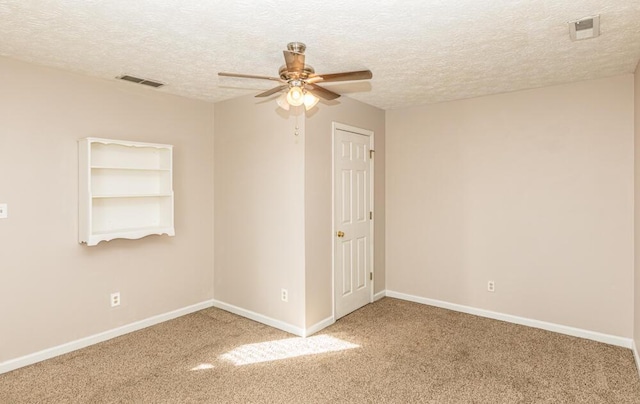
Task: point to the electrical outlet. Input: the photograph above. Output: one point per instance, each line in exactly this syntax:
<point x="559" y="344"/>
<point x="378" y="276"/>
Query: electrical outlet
<point x="491" y="286"/>
<point x="4" y="213"/>
<point x="115" y="299"/>
<point x="284" y="295"/>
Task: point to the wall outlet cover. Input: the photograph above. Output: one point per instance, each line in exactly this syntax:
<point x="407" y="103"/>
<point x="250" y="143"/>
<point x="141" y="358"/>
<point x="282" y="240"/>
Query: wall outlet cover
<point x="115" y="299"/>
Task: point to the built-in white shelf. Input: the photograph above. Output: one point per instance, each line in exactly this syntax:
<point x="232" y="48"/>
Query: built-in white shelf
<point x="125" y="190"/>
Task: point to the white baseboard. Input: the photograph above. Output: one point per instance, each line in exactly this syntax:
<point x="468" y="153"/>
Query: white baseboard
<point x="272" y="322"/>
<point x="252" y="315"/>
<point x="319" y="326"/>
<point x="561" y="329"/>
<point x="49" y="353"/>
<point x="379" y="295"/>
<point x="635" y="355"/>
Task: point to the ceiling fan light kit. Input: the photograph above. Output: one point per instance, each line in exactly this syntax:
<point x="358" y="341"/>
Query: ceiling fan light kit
<point x="300" y="80"/>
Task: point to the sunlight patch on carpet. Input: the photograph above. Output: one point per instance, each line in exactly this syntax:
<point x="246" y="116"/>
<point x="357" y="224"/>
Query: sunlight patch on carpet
<point x="203" y="366"/>
<point x="285" y="348"/>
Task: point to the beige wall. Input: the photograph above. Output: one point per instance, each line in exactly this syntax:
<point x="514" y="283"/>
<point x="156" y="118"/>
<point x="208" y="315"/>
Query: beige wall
<point x="636" y="310"/>
<point x="532" y="189"/>
<point x="318" y="199"/>
<point x="52" y="289"/>
<point x="259" y="209"/>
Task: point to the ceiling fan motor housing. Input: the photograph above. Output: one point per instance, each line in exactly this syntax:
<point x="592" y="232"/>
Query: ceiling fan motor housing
<point x="287" y="75"/>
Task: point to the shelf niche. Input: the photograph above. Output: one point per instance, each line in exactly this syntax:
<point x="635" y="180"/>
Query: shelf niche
<point x="125" y="190"/>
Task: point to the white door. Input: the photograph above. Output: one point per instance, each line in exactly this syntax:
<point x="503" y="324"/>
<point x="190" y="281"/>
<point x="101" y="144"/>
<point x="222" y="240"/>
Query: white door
<point x="353" y="247"/>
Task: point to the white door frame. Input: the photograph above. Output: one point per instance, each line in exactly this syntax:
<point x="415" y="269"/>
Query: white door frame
<point x="365" y="132"/>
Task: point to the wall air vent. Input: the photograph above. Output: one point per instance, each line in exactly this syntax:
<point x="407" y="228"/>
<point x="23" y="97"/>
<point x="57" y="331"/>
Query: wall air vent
<point x="584" y="28"/>
<point x="138" y="80"/>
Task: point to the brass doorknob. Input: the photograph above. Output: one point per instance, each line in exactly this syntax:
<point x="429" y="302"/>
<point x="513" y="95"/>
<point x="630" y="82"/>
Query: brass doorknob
<point x="340" y="234"/>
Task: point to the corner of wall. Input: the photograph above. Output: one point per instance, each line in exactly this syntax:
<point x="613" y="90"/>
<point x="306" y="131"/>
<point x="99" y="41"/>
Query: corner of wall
<point x="636" y="282"/>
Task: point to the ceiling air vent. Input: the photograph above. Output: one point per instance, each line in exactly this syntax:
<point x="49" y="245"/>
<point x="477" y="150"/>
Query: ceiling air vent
<point x="585" y="28"/>
<point x="133" y="79"/>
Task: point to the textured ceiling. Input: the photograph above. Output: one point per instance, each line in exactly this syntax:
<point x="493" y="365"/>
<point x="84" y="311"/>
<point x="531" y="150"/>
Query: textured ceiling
<point x="420" y="51"/>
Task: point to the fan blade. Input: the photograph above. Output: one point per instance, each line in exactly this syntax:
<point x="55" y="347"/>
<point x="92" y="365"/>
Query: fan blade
<point x="250" y="76"/>
<point x="294" y="61"/>
<point x="321" y="92"/>
<point x="345" y="76"/>
<point x="273" y="91"/>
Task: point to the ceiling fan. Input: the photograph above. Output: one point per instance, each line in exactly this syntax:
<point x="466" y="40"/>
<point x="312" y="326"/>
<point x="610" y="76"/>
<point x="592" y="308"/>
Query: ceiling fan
<point x="300" y="80"/>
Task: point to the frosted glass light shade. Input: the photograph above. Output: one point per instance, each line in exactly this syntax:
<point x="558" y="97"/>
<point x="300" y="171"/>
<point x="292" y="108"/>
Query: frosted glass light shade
<point x="310" y="101"/>
<point x="295" y="96"/>
<point x="282" y="102"/>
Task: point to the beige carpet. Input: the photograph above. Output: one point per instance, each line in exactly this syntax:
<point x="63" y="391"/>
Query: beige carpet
<point x="391" y="351"/>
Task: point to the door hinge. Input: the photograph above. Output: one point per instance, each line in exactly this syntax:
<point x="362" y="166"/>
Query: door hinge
<point x="371" y="151"/>
<point x="370" y="276"/>
<point x="370" y="215"/>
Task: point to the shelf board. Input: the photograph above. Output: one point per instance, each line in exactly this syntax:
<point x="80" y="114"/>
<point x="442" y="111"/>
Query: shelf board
<point x="129" y="168"/>
<point x="135" y="230"/>
<point x="163" y="195"/>
<point x="129" y="233"/>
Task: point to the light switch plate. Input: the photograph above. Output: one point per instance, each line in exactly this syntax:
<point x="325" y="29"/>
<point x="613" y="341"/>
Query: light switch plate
<point x="3" y="211"/>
